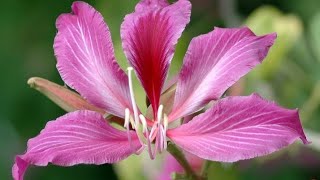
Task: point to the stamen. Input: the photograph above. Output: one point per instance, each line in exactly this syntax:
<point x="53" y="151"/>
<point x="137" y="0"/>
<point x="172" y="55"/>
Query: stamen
<point x="144" y="123"/>
<point x="153" y="129"/>
<point x="164" y="139"/>
<point x="165" y="122"/>
<point x="133" y="124"/>
<point x="133" y="101"/>
<point x="146" y="137"/>
<point x="126" y="117"/>
<point x="160" y="143"/>
<point x="139" y="151"/>
<point x="126" y="124"/>
<point x="135" y="109"/>
<point x="151" y="154"/>
<point x="165" y="125"/>
<point x="159" y="115"/>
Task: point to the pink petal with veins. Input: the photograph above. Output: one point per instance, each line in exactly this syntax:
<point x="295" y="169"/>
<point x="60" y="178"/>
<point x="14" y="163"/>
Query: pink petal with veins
<point x="86" y="61"/>
<point x="239" y="128"/>
<point x="149" y="36"/>
<point x="213" y="63"/>
<point x="81" y="137"/>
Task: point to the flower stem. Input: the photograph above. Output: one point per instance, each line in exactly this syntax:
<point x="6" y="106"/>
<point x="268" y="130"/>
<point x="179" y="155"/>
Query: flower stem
<point x="205" y="168"/>
<point x="179" y="156"/>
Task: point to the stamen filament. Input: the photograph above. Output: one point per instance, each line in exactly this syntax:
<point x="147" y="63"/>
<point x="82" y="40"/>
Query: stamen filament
<point x="135" y="109"/>
<point x="164" y="130"/>
<point x="153" y="129"/>
<point x="151" y="154"/>
<point x="164" y="134"/>
<point x="161" y="139"/>
<point x="165" y="122"/>
<point x="126" y="124"/>
<point x="159" y="114"/>
<point x="133" y="101"/>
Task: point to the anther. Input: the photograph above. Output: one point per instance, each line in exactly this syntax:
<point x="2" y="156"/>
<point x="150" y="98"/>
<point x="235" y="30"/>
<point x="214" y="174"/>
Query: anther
<point x="144" y="123"/>
<point x="159" y="114"/>
<point x="126" y="117"/>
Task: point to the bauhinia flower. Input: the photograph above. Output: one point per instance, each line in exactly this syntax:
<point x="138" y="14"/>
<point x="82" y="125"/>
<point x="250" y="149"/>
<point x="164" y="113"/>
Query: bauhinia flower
<point x="232" y="129"/>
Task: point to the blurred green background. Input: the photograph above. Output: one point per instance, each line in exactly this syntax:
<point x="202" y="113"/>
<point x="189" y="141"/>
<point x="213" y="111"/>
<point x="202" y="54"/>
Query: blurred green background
<point x="290" y="76"/>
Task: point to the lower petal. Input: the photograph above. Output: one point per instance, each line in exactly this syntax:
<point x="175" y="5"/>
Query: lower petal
<point x="81" y="137"/>
<point x="238" y="128"/>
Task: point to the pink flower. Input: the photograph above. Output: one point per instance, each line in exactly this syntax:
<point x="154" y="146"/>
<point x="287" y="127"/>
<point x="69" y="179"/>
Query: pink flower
<point x="234" y="128"/>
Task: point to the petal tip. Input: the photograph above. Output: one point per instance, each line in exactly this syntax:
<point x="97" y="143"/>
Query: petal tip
<point x="77" y="6"/>
<point x="19" y="168"/>
<point x="301" y="133"/>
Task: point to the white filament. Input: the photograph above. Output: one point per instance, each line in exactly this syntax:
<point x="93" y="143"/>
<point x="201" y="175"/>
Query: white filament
<point x="165" y="128"/>
<point x="165" y="122"/>
<point x="133" y="101"/>
<point x="153" y="129"/>
<point x="159" y="114"/>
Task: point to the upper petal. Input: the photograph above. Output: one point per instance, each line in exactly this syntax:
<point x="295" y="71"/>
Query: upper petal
<point x="239" y="128"/>
<point x="75" y="138"/>
<point x="149" y="36"/>
<point x="86" y="61"/>
<point x="215" y="61"/>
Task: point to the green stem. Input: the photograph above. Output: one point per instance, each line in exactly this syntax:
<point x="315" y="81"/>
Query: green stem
<point x="179" y="156"/>
<point x="205" y="168"/>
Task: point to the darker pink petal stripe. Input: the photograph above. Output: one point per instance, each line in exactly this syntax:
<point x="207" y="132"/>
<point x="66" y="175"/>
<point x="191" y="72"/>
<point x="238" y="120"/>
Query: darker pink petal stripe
<point x="149" y="36"/>
<point x="213" y="63"/>
<point x="86" y="61"/>
<point x="81" y="137"/>
<point x="239" y="128"/>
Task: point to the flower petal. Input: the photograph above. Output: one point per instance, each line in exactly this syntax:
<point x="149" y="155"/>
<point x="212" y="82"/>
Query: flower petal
<point x="19" y="168"/>
<point x="76" y="138"/>
<point x="149" y="36"/>
<point x="213" y="63"/>
<point x="86" y="61"/>
<point x="62" y="96"/>
<point x="239" y="128"/>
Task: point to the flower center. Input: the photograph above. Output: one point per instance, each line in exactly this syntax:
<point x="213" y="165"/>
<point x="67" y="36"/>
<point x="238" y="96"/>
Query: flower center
<point x="157" y="133"/>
